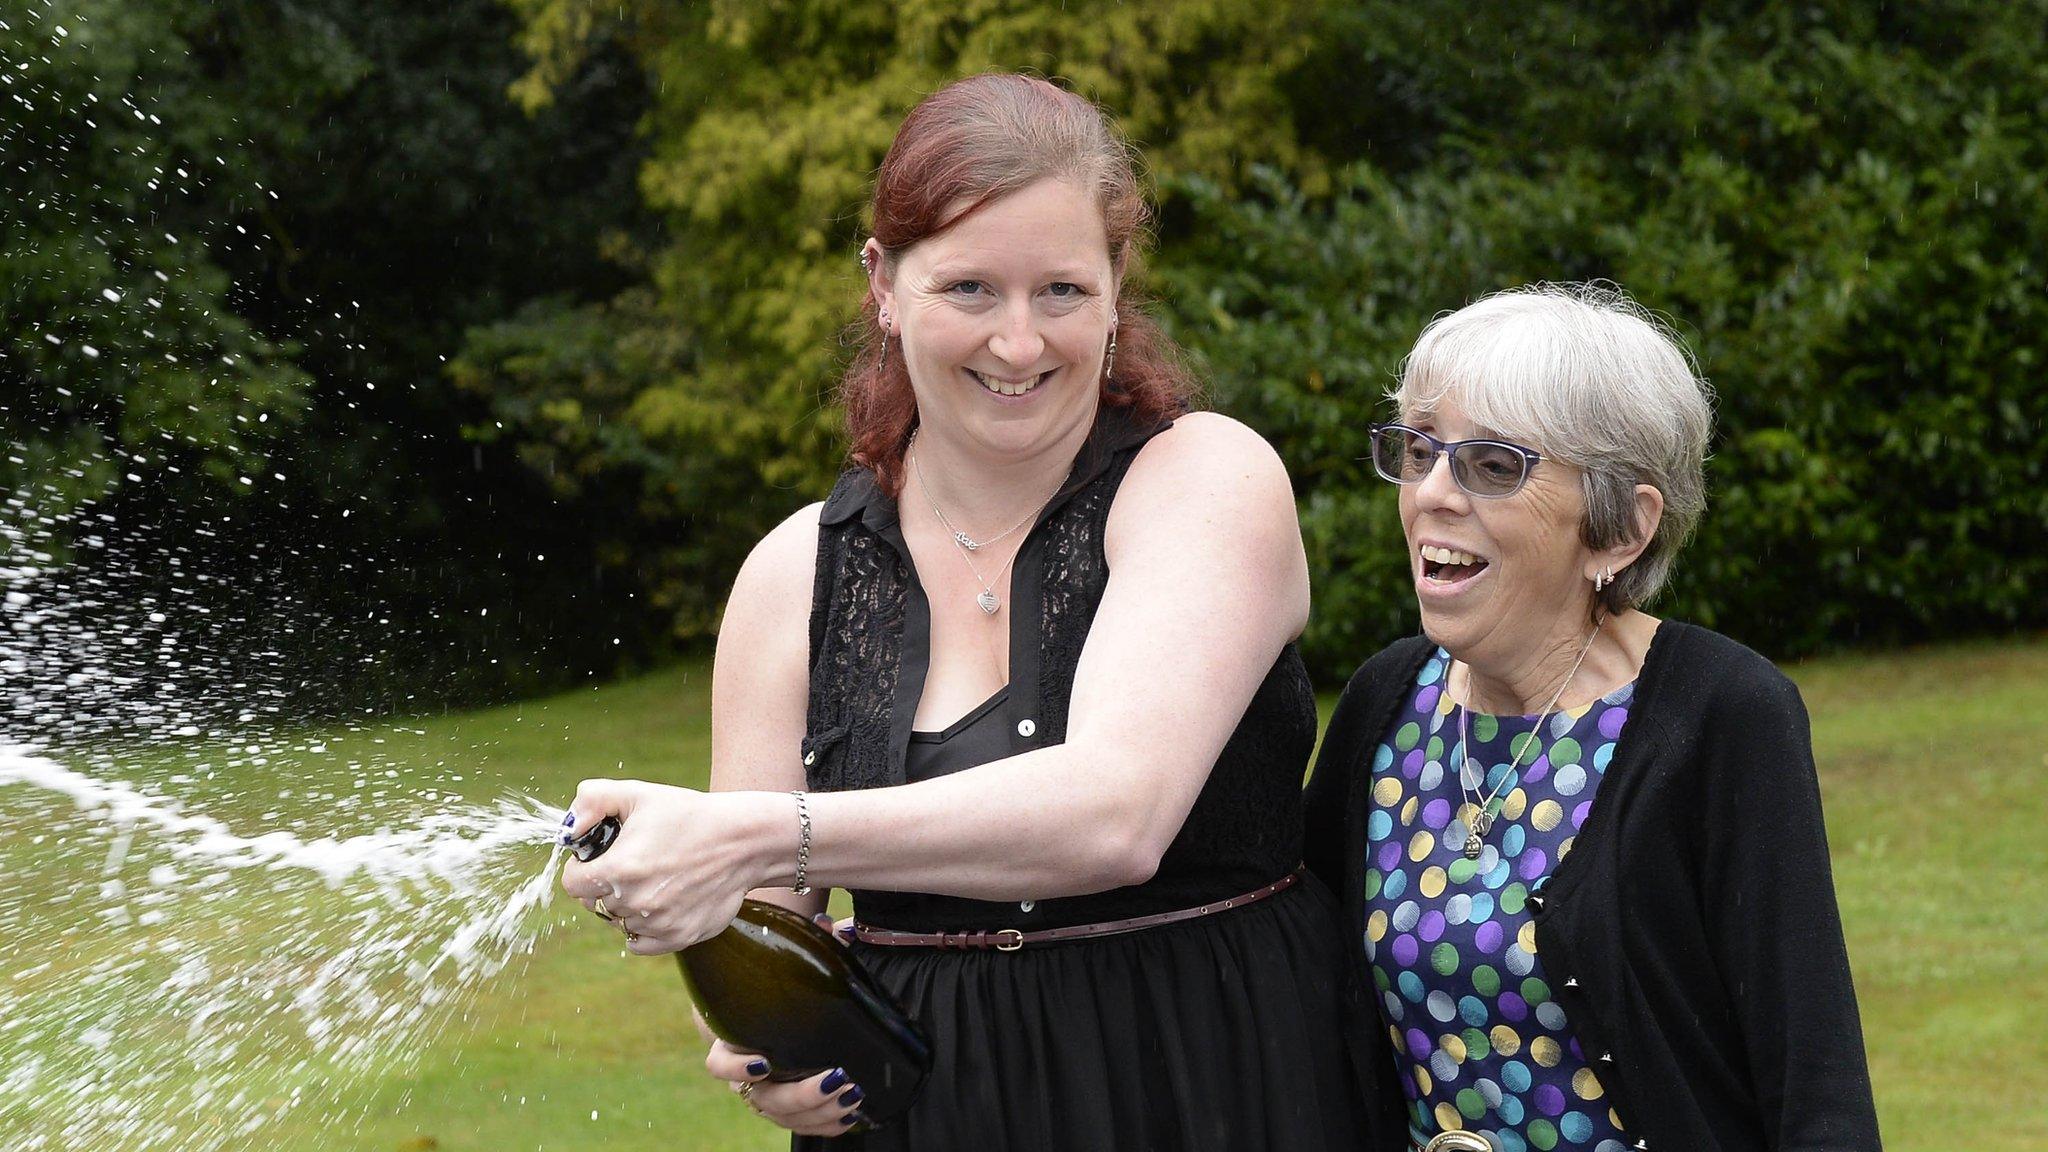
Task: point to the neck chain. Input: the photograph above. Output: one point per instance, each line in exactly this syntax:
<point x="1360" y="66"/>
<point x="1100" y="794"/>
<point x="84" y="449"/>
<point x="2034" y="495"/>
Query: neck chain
<point x="987" y="601"/>
<point x="1479" y="814"/>
<point x="966" y="542"/>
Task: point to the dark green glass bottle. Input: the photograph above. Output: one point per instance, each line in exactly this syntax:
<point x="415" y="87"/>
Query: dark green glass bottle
<point x="777" y="984"/>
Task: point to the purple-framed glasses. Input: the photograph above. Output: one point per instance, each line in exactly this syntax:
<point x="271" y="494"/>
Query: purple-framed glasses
<point x="1489" y="469"/>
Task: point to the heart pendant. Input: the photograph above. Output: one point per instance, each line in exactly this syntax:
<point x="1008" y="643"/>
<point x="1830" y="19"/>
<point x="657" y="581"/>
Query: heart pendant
<point x="988" y="602"/>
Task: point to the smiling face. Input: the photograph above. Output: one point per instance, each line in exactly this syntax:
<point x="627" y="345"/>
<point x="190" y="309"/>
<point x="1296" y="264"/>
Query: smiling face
<point x="1004" y="319"/>
<point x="1496" y="579"/>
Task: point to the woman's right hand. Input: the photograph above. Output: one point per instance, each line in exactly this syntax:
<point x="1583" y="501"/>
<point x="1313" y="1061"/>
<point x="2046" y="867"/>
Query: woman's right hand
<point x="823" y="1105"/>
<point x="683" y="859"/>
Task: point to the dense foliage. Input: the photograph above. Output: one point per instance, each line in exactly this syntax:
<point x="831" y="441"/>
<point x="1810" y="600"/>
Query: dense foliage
<point x="114" y="225"/>
<point x="709" y="390"/>
<point x="242" y="240"/>
<point x="1841" y="207"/>
<point x="548" y="295"/>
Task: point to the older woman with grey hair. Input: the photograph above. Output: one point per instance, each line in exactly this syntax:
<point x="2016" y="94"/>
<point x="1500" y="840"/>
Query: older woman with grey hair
<point x="1581" y="848"/>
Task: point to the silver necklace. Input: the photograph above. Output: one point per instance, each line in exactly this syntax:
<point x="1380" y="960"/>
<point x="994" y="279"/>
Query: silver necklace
<point x="960" y="538"/>
<point x="1479" y="815"/>
<point x="987" y="601"/>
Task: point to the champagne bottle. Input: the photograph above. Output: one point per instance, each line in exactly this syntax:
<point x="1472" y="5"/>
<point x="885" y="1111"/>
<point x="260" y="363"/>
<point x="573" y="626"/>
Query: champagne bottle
<point x="777" y="984"/>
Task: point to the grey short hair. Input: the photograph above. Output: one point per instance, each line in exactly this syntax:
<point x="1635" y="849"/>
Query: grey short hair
<point x="1585" y="375"/>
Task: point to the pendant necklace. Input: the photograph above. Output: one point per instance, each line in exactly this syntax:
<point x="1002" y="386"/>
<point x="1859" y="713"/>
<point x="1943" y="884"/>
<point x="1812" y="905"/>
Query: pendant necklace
<point x="962" y="539"/>
<point x="1479" y="815"/>
<point x="987" y="601"/>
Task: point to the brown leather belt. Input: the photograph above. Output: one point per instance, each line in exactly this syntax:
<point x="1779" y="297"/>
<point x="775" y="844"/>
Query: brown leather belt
<point x="1011" y="939"/>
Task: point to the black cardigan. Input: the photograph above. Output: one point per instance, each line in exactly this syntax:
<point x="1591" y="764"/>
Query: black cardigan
<point x="1691" y="936"/>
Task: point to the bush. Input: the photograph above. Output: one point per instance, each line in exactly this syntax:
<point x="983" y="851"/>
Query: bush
<point x="1841" y="208"/>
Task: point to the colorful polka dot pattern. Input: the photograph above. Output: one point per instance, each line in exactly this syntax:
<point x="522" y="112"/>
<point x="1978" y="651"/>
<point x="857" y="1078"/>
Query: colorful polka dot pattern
<point x="1479" y="1041"/>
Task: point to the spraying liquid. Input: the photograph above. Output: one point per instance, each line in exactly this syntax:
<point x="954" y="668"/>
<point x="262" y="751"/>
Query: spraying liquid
<point x="167" y="983"/>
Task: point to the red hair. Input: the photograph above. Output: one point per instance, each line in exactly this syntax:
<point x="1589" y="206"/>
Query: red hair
<point x="976" y="141"/>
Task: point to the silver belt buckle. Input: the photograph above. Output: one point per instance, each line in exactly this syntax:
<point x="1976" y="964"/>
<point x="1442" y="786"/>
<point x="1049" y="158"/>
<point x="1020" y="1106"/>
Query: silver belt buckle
<point x="1457" y="1142"/>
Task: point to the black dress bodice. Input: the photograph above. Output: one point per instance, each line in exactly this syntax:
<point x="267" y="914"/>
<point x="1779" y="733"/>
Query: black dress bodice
<point x="870" y="644"/>
<point x="1217" y="1034"/>
<point x="973" y="739"/>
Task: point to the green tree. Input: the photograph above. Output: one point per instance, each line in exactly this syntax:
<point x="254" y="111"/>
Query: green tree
<point x="416" y="202"/>
<point x="1842" y="207"/>
<point x="122" y="347"/>
<point x="241" y="240"/>
<point x="712" y="382"/>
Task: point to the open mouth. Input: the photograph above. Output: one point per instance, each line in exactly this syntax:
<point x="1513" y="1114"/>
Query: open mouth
<point x="1449" y="566"/>
<point x="1002" y="387"/>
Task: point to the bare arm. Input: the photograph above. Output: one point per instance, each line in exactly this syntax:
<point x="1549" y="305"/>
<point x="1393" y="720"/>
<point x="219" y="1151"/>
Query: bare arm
<point x="760" y="681"/>
<point x="683" y="859"/>
<point x="1208" y="582"/>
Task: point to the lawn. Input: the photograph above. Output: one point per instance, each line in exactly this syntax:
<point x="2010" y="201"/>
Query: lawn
<point x="1930" y="761"/>
<point x="581" y="1045"/>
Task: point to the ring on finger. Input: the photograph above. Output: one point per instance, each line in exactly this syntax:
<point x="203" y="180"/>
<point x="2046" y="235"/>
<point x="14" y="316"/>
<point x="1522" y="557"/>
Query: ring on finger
<point x="598" y="907"/>
<point x="746" y="1091"/>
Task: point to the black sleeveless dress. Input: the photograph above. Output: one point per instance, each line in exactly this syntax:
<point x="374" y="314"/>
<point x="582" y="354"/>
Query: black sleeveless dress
<point x="1218" y="1033"/>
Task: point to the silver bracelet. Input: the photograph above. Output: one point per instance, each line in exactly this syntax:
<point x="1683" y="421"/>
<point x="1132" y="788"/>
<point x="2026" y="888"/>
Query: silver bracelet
<point x="802" y="886"/>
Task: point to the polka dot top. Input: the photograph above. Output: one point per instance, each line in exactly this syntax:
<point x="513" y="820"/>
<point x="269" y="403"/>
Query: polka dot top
<point x="1479" y="1042"/>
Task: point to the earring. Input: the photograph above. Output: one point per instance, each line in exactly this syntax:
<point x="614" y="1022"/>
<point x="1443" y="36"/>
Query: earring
<point x="1602" y="579"/>
<point x="1109" y="363"/>
<point x="882" y="318"/>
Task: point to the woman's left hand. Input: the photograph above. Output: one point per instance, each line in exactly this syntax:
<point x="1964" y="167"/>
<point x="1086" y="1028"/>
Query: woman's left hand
<point x="681" y="863"/>
<point x="827" y="1104"/>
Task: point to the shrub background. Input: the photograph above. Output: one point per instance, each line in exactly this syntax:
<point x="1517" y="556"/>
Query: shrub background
<point x="556" y="278"/>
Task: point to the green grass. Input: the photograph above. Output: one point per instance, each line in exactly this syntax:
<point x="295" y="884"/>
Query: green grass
<point x="582" y="1045"/>
<point x="1932" y="763"/>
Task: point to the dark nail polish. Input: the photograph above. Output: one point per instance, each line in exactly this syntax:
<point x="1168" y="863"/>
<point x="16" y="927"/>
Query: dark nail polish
<point x="757" y="1067"/>
<point x="852" y="1096"/>
<point x="569" y="821"/>
<point x="833" y="1081"/>
<point x="851" y="1118"/>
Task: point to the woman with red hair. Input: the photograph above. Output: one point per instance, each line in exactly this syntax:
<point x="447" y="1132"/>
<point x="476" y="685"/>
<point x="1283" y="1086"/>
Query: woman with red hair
<point x="1030" y="671"/>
